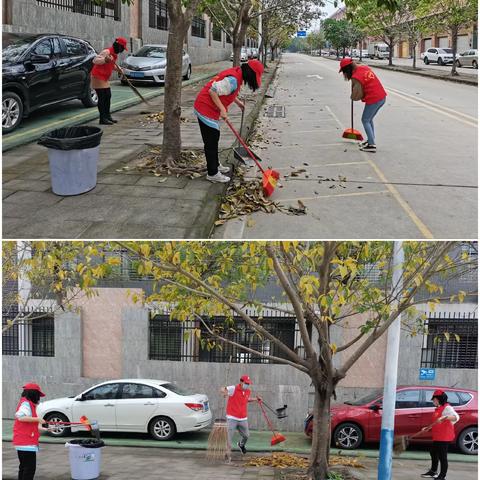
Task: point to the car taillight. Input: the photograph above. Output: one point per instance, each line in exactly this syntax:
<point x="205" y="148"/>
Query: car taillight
<point x="195" y="406"/>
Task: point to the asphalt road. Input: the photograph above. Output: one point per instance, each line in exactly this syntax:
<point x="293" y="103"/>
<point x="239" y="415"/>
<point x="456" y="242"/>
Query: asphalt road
<point x="426" y="135"/>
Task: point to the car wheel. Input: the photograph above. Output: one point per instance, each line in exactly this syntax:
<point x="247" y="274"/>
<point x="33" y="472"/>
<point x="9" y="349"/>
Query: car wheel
<point x="188" y="74"/>
<point x="348" y="436"/>
<point x="91" y="100"/>
<point x="468" y="441"/>
<point x="458" y="64"/>
<point x="474" y="64"/>
<point x="440" y="61"/>
<point x="426" y="61"/>
<point x="162" y="428"/>
<point x="12" y="111"/>
<point x="59" y="430"/>
<point x="123" y="82"/>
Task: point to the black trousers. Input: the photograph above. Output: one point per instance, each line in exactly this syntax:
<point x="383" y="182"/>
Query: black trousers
<point x="104" y="99"/>
<point x="210" y="137"/>
<point x="438" y="453"/>
<point x="28" y="465"/>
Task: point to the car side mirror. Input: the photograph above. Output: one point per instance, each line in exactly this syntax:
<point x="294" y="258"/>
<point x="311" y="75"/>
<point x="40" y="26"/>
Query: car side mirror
<point x="39" y="58"/>
<point x="375" y="407"/>
<point x="80" y="398"/>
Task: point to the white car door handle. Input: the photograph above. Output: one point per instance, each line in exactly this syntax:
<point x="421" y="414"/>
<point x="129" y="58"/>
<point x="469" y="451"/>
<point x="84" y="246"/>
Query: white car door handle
<point x="149" y="403"/>
<point x="109" y="405"/>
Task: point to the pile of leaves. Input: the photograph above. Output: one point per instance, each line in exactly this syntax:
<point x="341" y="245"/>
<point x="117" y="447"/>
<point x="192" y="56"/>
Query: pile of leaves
<point x="160" y="117"/>
<point x="279" y="460"/>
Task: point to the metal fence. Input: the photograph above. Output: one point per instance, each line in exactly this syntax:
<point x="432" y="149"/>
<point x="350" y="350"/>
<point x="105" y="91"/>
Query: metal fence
<point x="188" y="341"/>
<point x="28" y="337"/>
<point x="451" y="341"/>
<point x="107" y="9"/>
<point x="157" y="15"/>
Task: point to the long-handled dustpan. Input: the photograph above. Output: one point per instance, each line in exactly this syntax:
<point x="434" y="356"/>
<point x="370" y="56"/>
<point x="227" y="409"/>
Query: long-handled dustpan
<point x="351" y="133"/>
<point x="270" y="177"/>
<point x="239" y="152"/>
<point x="277" y="437"/>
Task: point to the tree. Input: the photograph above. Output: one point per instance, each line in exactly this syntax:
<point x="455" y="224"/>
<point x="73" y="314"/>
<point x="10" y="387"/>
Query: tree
<point x="449" y="15"/>
<point x="325" y="285"/>
<point x="338" y="33"/>
<point x="316" y="40"/>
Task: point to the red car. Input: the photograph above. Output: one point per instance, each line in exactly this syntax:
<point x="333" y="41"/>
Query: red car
<point x="359" y="421"/>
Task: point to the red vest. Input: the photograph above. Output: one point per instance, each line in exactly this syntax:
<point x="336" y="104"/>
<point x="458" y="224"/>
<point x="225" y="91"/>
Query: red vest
<point x="443" y="431"/>
<point x="373" y="90"/>
<point x="104" y="71"/>
<point x="25" y="433"/>
<point x="237" y="403"/>
<point x="204" y="103"/>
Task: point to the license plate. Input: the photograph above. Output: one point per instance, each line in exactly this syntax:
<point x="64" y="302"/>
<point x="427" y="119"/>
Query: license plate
<point x="136" y="74"/>
<point x="205" y="407"/>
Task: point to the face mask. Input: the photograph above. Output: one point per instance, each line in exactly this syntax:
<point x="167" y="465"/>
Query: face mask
<point x="117" y="48"/>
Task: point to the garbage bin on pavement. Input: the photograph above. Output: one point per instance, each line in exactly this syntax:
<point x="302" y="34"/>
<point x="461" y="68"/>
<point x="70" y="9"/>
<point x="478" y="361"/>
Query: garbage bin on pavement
<point x="73" y="156"/>
<point x="85" y="458"/>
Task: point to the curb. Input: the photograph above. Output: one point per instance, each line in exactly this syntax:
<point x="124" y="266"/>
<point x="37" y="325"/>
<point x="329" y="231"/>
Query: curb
<point x="92" y="113"/>
<point x="420" y="73"/>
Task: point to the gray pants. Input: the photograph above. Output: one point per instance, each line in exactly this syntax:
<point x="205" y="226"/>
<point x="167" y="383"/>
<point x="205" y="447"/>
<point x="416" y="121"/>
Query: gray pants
<point x="241" y="426"/>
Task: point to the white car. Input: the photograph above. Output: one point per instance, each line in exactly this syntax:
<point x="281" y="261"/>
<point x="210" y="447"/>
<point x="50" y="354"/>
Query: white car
<point x="442" y="56"/>
<point x="131" y="405"/>
<point x="243" y="55"/>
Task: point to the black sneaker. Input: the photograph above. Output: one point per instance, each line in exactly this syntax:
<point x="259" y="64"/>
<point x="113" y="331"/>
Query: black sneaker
<point x="429" y="474"/>
<point x="369" y="148"/>
<point x="112" y="119"/>
<point x="242" y="448"/>
<point x="363" y="144"/>
<point x="438" y="477"/>
<point x="105" y="121"/>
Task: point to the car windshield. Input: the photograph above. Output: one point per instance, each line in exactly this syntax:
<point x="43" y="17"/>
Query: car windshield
<point x="175" y="389"/>
<point x="446" y="50"/>
<point x="367" y="398"/>
<point x="151" y="52"/>
<point x="15" y="46"/>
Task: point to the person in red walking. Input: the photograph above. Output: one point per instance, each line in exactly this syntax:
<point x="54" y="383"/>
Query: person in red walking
<point x="212" y="103"/>
<point x="103" y="66"/>
<point x="365" y="87"/>
<point x="237" y="416"/>
<point x="443" y="419"/>
<point x="26" y="430"/>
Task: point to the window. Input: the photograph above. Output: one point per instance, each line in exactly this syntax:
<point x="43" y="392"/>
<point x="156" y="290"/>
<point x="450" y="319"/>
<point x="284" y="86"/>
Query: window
<point x="450" y="342"/>
<point x="104" y="392"/>
<point x="432" y="50"/>
<point x="157" y="15"/>
<point x="198" y="27"/>
<point x="137" y="390"/>
<point x="228" y="38"/>
<point x="166" y="338"/>
<point x="407" y="399"/>
<point x="43" y="47"/>
<point x="455" y="399"/>
<point x="106" y="9"/>
<point x="74" y="48"/>
<point x="57" y="48"/>
<point x="217" y="33"/>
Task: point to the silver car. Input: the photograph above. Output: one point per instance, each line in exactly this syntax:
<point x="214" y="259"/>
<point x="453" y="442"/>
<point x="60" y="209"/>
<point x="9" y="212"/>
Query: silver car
<point x="149" y="64"/>
<point x="468" y="59"/>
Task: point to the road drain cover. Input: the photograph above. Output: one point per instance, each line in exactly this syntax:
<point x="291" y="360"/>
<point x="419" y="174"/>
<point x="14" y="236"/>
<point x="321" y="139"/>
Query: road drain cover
<point x="275" y="111"/>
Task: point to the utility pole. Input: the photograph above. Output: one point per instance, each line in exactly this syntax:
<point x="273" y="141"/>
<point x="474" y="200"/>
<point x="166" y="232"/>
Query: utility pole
<point x="260" y="33"/>
<point x="391" y="369"/>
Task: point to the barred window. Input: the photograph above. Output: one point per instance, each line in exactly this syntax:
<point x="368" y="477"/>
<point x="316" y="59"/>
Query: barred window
<point x="198" y="27"/>
<point x="157" y="15"/>
<point x="29" y="337"/>
<point x="228" y="38"/>
<point x="166" y="338"/>
<point x="451" y="341"/>
<point x="217" y="33"/>
<point x="107" y="9"/>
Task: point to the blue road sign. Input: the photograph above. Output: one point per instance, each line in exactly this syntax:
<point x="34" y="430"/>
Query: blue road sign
<point x="301" y="33"/>
<point x="427" y="374"/>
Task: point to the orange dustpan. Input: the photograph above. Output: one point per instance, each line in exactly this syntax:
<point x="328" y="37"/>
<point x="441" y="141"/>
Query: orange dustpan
<point x="351" y="133"/>
<point x="270" y="177"/>
<point x="277" y="437"/>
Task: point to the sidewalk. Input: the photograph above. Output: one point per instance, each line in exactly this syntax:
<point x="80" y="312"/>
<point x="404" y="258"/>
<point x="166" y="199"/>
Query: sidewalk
<point x="125" y="203"/>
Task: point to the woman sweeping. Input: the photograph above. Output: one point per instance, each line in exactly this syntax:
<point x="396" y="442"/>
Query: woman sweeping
<point x="443" y="419"/>
<point x="26" y="430"/>
<point x="212" y="103"/>
<point x="103" y="65"/>
<point x="365" y="87"/>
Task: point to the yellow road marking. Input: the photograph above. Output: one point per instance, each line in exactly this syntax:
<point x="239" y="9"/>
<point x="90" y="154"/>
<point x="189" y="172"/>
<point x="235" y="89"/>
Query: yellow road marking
<point x="356" y="194"/>
<point x="321" y="166"/>
<point x="396" y="194"/>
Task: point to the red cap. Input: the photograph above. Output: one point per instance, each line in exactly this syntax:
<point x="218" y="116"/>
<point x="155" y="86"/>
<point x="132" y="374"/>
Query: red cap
<point x="33" y="386"/>
<point x="123" y="42"/>
<point x="257" y="67"/>
<point x="246" y="378"/>
<point x="344" y="62"/>
<point x="438" y="393"/>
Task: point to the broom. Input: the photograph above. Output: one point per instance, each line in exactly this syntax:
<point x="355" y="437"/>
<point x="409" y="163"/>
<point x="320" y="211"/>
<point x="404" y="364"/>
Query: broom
<point x="400" y="444"/>
<point x="217" y="440"/>
<point x="277" y="437"/>
<point x="351" y="133"/>
<point x="130" y="84"/>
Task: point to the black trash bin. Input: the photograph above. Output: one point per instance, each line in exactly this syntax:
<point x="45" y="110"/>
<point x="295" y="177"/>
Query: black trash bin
<point x="73" y="156"/>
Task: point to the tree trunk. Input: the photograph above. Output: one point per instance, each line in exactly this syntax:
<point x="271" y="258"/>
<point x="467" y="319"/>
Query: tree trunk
<point x="318" y="468"/>
<point x="454" y="32"/>
<point x="237" y="48"/>
<point x="390" y="53"/>
<point x="414" y="55"/>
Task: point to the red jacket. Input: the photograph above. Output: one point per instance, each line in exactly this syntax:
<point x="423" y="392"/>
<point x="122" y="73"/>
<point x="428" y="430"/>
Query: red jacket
<point x="372" y="88"/>
<point x="25" y="433"/>
<point x="237" y="403"/>
<point x="204" y="103"/>
<point x="443" y="431"/>
<point x="104" y="72"/>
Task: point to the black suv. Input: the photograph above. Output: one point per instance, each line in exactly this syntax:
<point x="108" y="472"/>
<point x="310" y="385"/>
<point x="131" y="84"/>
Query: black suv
<point x="40" y="70"/>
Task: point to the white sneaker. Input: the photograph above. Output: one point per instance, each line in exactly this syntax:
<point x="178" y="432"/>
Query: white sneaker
<point x="223" y="168"/>
<point x="218" y="178"/>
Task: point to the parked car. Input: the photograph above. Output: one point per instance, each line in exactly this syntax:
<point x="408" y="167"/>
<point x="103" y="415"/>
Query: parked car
<point x="359" y="421"/>
<point x="254" y="52"/>
<point x="131" y="405"/>
<point x="40" y="70"/>
<point x="468" y="59"/>
<point x="442" y="56"/>
<point x="149" y="64"/>
<point x="243" y="55"/>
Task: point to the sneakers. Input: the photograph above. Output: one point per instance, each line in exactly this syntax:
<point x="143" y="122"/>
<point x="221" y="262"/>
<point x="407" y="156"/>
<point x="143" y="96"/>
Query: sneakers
<point x="223" y="168"/>
<point x="369" y="148"/>
<point x="429" y="474"/>
<point x="363" y="144"/>
<point x="112" y="119"/>
<point x="105" y="121"/>
<point x="242" y="448"/>
<point x="218" y="178"/>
